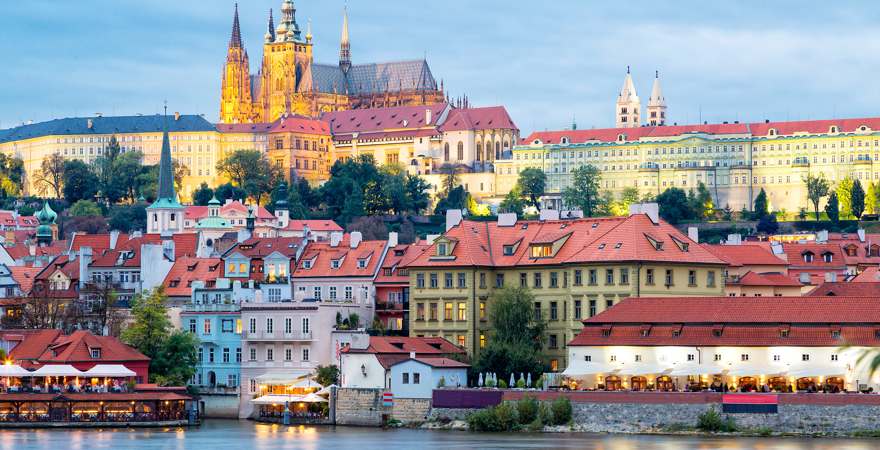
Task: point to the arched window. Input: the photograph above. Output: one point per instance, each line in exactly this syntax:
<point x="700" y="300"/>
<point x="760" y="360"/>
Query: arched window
<point x="460" y="151"/>
<point x="497" y="150"/>
<point x="446" y="151"/>
<point x="479" y="151"/>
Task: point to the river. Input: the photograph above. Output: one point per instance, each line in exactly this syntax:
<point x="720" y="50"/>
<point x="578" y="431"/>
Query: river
<point x="243" y="435"/>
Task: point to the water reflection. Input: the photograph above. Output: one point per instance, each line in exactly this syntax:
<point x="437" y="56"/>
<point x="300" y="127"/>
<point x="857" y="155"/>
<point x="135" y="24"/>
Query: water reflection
<point x="235" y="435"/>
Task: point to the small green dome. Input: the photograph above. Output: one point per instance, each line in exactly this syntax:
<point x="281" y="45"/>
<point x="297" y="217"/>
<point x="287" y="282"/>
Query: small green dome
<point x="46" y="216"/>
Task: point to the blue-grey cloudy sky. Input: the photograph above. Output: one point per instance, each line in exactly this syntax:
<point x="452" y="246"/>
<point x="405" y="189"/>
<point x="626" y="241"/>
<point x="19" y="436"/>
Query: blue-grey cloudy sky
<point x="547" y="61"/>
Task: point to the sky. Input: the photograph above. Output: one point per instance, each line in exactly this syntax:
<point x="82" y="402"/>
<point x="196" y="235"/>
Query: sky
<point x="548" y="62"/>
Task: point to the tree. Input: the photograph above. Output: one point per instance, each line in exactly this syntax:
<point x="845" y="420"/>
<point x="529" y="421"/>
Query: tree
<point x="327" y="375"/>
<point x="450" y="177"/>
<point x="417" y="196"/>
<point x="104" y="170"/>
<point x="871" y="199"/>
<point x="844" y="196"/>
<point x="457" y="199"/>
<point x="372" y="228"/>
<point x="674" y="206"/>
<point x="175" y="364"/>
<point x="83" y="208"/>
<point x="251" y="171"/>
<point x="228" y="191"/>
<point x="760" y="206"/>
<point x="50" y="176"/>
<point x="517" y="336"/>
<point x="79" y="181"/>
<point x="833" y="208"/>
<point x="85" y="224"/>
<point x="767" y="224"/>
<point x="202" y="195"/>
<point x="126" y="178"/>
<point x="703" y="204"/>
<point x="103" y="295"/>
<point x="128" y="218"/>
<point x="817" y="187"/>
<point x="857" y="197"/>
<point x="583" y="193"/>
<point x="532" y="182"/>
<point x="513" y="203"/>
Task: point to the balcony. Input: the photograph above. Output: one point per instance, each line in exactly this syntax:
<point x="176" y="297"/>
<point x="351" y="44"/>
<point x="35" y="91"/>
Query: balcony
<point x="862" y="160"/>
<point x="649" y="167"/>
<point x="277" y="336"/>
<point x="390" y="306"/>
<point x="801" y="161"/>
<point x="275" y="279"/>
<point x="211" y="307"/>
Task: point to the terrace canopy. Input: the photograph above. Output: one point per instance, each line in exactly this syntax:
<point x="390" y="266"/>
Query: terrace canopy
<point x="13" y="370"/>
<point x="281" y="378"/>
<point x="57" y="370"/>
<point x="110" y="371"/>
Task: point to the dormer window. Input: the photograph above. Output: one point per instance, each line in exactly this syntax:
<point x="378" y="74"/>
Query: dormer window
<point x="851" y="250"/>
<point x="833" y="129"/>
<point x="362" y="263"/>
<point x="621" y="137"/>
<point x="863" y="128"/>
<point x="827" y="257"/>
<point x="95" y="353"/>
<point x="334" y="264"/>
<point x="808" y="256"/>
<point x="541" y="251"/>
<point x="442" y="249"/>
<point x="656" y="243"/>
<point x="307" y="264"/>
<point x="564" y="140"/>
<point x="772" y="132"/>
<point x="508" y="250"/>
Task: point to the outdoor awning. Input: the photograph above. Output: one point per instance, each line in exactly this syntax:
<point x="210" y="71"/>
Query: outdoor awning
<point x="307" y="383"/>
<point x="57" y="370"/>
<point x="753" y="370"/>
<point x="682" y="370"/>
<point x="642" y="369"/>
<point x="109" y="370"/>
<point x="584" y="369"/>
<point x="326" y="389"/>
<point x="285" y="378"/>
<point x="313" y="398"/>
<point x="277" y="399"/>
<point x="12" y="370"/>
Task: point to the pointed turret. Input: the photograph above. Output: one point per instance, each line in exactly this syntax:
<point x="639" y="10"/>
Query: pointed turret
<point x="165" y="215"/>
<point x="235" y="37"/>
<point x="270" y="29"/>
<point x="344" y="44"/>
<point x="165" y="189"/>
<point x="628" y="104"/>
<point x="47" y="217"/>
<point x="656" y="104"/>
<point x="288" y="30"/>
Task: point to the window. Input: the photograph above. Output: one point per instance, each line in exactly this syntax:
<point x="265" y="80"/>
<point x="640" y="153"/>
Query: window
<point x="270" y="354"/>
<point x="577" y="309"/>
<point x="433" y="311"/>
<point x="710" y="278"/>
<point x="718" y="357"/>
<point x="305" y="354"/>
<point x="226" y="355"/>
<point x="835" y="334"/>
<point x="461" y="280"/>
<point x="288" y="325"/>
<point x="777" y="358"/>
<point x="588" y="358"/>
<point x="834" y="357"/>
<point x="551" y="341"/>
<point x="306" y="325"/>
<point x="805" y="357"/>
<point x="332" y="290"/>
<point x="238" y="354"/>
<point x="95" y="353"/>
<point x="442" y="249"/>
<point x="808" y="257"/>
<point x="288" y="354"/>
<point x="206" y="326"/>
<point x="317" y="293"/>
<point x="541" y="251"/>
<point x="404" y="378"/>
<point x="420" y="311"/>
<point x="578" y="277"/>
<point x="638" y="358"/>
<point x="348" y="293"/>
<point x="554" y="280"/>
<point x="253" y="354"/>
<point x="744" y="357"/>
<point x="482" y="280"/>
<point x="649" y="277"/>
<point x="692" y="278"/>
<point x="624" y="276"/>
<point x="827" y="257"/>
<point x="192" y="326"/>
<point x="482" y="340"/>
<point x="609" y="276"/>
<point x="537" y="279"/>
<point x="554" y="311"/>
<point x="613" y="358"/>
<point x="690" y="357"/>
<point x="593" y="277"/>
<point x="447" y="311"/>
<point x="669" y="277"/>
<point x="537" y="311"/>
<point x="592" y="308"/>
<point x="434" y="282"/>
<point x="447" y="280"/>
<point x="252" y="325"/>
<point x="270" y="325"/>
<point x="499" y="280"/>
<point x="420" y="280"/>
<point x="482" y="310"/>
<point x="523" y="280"/>
<point x="461" y="340"/>
<point x="462" y="311"/>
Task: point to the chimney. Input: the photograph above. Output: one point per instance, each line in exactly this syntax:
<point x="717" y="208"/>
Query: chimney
<point x="392" y="239"/>
<point x="85" y="258"/>
<point x="804" y="278"/>
<point x="548" y="214"/>
<point x="861" y="233"/>
<point x="335" y="238"/>
<point x="830" y="277"/>
<point x="506" y="219"/>
<point x="694" y="234"/>
<point x="776" y="248"/>
<point x="822" y="236"/>
<point x="428" y="116"/>
<point x="354" y="239"/>
<point x="453" y="218"/>
<point x="412" y="355"/>
<point x="733" y="239"/>
<point x="176" y="116"/>
<point x="89" y="124"/>
<point x="114" y="239"/>
<point x="652" y="210"/>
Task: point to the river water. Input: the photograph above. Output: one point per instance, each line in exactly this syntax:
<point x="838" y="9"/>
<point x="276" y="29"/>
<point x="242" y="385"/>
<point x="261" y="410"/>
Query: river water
<point x="244" y="435"/>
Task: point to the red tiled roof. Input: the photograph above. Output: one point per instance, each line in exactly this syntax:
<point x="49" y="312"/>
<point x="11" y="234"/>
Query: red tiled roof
<point x="814" y="126"/>
<point x="487" y="118"/>
<point x="235" y="207"/>
<point x="379" y="119"/>
<point x="765" y="279"/>
<point x="185" y="244"/>
<point x="405" y="345"/>
<point x="847" y="289"/>
<point x="398" y="257"/>
<point x="24" y="276"/>
<point x="178" y="281"/>
<point x="262" y="127"/>
<point x="442" y="362"/>
<point x="260" y="247"/>
<point x="76" y="348"/>
<point x="320" y="255"/>
<point x="31" y="343"/>
<point x="97" y="242"/>
<point x="300" y="124"/>
<point x="314" y="225"/>
<point x="869" y="275"/>
<point x="795" y="253"/>
<point x="746" y="255"/>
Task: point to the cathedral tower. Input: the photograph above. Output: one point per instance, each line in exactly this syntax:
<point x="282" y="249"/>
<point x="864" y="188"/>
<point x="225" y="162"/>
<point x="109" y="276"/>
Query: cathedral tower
<point x="656" y="104"/>
<point x="165" y="215"/>
<point x="628" y="104"/>
<point x="235" y="91"/>
<point x="344" y="44"/>
<point x="285" y="74"/>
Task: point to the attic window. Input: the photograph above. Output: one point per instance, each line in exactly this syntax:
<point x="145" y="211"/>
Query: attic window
<point x="835" y="334"/>
<point x="833" y="129"/>
<point x="851" y="250"/>
<point x="656" y="243"/>
<point x="595" y="224"/>
<point x="772" y="132"/>
<point x="508" y="250"/>
<point x="442" y="249"/>
<point x="601" y="246"/>
<point x="95" y="353"/>
<point x="362" y="263"/>
<point x="541" y="251"/>
<point x="863" y="128"/>
<point x="398" y="252"/>
<point x="827" y="257"/>
<point x="682" y="245"/>
<point x="808" y="256"/>
<point x="334" y="264"/>
<point x="307" y="264"/>
<point x="618" y="245"/>
<point x="564" y="140"/>
<point x="676" y="333"/>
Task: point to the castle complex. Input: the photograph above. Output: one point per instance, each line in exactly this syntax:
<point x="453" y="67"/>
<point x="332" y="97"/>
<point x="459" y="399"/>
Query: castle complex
<point x="289" y="81"/>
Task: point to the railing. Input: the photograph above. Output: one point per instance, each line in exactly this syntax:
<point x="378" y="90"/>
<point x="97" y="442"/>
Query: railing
<point x="211" y="307"/>
<point x="276" y="279"/>
<point x="277" y="335"/>
<point x="55" y="416"/>
<point x="390" y="306"/>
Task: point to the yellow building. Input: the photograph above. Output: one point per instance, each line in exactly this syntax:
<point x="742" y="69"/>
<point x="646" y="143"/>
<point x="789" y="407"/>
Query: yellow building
<point x="289" y="81"/>
<point x="303" y="147"/>
<point x="575" y="269"/>
<point x="194" y="143"/>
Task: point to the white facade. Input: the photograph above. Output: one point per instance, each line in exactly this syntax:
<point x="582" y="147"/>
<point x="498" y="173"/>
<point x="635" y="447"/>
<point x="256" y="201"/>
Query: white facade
<point x="415" y="379"/>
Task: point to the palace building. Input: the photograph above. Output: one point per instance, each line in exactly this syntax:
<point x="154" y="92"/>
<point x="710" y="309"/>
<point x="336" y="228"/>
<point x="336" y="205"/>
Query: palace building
<point x="289" y="81"/>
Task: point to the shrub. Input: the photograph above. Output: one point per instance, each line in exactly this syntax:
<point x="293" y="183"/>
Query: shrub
<point x="527" y="409"/>
<point x="502" y="384"/>
<point x="441" y="382"/>
<point x="506" y="414"/>
<point x="496" y="418"/>
<point x="561" y="409"/>
<point x="545" y="416"/>
<point x="521" y="384"/>
<point x="712" y="422"/>
<point x="539" y="382"/>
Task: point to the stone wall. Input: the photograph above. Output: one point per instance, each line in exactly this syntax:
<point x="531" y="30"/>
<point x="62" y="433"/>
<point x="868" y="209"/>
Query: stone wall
<point x="359" y="407"/>
<point x="409" y="410"/>
<point x="219" y="406"/>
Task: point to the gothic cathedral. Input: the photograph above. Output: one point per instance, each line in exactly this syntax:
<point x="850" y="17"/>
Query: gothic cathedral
<point x="290" y="82"/>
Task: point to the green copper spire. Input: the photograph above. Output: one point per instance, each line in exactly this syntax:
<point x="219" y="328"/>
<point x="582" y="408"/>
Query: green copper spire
<point x="47" y="218"/>
<point x="165" y="195"/>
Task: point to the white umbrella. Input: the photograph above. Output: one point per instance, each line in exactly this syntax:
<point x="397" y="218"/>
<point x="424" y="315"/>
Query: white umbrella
<point x="313" y="398"/>
<point x="480" y="380"/>
<point x="57" y="370"/>
<point x="529" y="379"/>
<point x="326" y="389"/>
<point x="512" y="381"/>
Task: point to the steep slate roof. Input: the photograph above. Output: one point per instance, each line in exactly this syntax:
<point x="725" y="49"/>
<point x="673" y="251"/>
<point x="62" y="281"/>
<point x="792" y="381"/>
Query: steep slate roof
<point x="373" y="78"/>
<point x="300" y="124"/>
<point x="869" y="275"/>
<point x="314" y="225"/>
<point x="178" y="281"/>
<point x="376" y="120"/>
<point x="262" y="127"/>
<point x="580" y="241"/>
<point x="745" y="255"/>
<point x="105" y="125"/>
<point x="487" y="118"/>
<point x="399" y="257"/>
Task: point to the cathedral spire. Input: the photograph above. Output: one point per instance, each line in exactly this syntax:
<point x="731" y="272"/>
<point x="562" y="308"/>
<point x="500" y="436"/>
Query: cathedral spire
<point x="270" y="30"/>
<point x="235" y="37"/>
<point x="628" y="104"/>
<point x="344" y="44"/>
<point x="165" y="189"/>
<point x="656" y="103"/>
